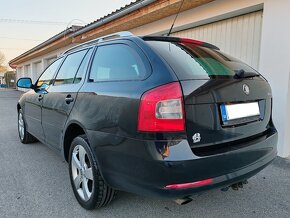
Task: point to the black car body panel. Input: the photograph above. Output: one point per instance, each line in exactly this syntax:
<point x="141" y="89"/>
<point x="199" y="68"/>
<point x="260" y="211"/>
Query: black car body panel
<point x="146" y="162"/>
<point x="32" y="106"/>
<point x="138" y="165"/>
<point x="202" y="108"/>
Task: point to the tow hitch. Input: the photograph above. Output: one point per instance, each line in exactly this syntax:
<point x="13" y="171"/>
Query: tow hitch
<point x="236" y="186"/>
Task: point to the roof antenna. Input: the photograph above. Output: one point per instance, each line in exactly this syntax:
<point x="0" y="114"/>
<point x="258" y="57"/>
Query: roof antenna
<point x="175" y="18"/>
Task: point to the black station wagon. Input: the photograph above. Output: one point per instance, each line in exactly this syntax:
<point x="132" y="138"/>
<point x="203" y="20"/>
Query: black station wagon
<point x="153" y="115"/>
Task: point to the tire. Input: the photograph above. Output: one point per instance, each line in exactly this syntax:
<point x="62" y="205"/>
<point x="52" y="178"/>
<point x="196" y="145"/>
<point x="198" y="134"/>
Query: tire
<point x="88" y="185"/>
<point x="24" y="136"/>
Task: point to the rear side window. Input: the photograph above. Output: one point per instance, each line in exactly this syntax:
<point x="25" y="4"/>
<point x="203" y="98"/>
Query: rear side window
<point x="190" y="61"/>
<point x="117" y="62"/>
<point x="69" y="68"/>
<point x="83" y="68"/>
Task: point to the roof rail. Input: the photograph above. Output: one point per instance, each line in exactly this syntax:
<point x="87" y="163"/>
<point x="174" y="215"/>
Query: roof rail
<point x="100" y="39"/>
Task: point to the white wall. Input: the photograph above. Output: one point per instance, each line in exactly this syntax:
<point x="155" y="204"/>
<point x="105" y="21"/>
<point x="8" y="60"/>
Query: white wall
<point x="275" y="65"/>
<point x="208" y="13"/>
<point x="239" y="36"/>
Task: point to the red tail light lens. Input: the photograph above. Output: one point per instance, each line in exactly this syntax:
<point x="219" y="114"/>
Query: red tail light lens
<point x="161" y="109"/>
<point x="190" y="184"/>
<point x="185" y="40"/>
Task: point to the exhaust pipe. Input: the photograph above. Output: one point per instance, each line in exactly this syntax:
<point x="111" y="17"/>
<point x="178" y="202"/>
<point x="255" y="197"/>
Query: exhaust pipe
<point x="239" y="185"/>
<point x="183" y="201"/>
<point x="235" y="186"/>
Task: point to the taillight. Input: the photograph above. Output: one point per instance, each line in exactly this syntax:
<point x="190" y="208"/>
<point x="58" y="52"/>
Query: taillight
<point x="161" y="109"/>
<point x="190" y="184"/>
<point x="186" y="40"/>
<point x="196" y="42"/>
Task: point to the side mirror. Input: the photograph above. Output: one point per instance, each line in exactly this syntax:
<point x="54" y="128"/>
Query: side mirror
<point x="24" y="83"/>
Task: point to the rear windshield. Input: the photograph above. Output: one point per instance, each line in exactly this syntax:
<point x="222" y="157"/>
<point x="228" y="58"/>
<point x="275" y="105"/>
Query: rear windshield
<point x="190" y="61"/>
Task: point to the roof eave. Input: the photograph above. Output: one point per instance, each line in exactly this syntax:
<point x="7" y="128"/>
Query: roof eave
<point x="64" y="33"/>
<point x="133" y="7"/>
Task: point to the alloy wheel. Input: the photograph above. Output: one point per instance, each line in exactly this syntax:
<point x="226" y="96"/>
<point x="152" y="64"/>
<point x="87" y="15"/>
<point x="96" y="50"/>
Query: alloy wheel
<point x="82" y="172"/>
<point x="21" y="126"/>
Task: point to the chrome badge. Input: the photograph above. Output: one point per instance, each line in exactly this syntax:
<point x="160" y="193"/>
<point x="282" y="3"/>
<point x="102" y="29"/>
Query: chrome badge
<point x="196" y="138"/>
<point x="246" y="89"/>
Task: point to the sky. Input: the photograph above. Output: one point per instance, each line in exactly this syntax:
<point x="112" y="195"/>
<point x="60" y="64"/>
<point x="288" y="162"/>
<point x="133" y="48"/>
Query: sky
<point x="19" y="32"/>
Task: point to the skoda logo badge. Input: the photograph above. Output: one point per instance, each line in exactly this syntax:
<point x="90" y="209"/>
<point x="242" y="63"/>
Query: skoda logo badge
<point x="246" y="89"/>
<point x="196" y="138"/>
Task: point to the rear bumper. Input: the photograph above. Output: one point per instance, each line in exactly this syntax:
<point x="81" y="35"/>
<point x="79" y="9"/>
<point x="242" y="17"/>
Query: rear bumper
<point x="138" y="166"/>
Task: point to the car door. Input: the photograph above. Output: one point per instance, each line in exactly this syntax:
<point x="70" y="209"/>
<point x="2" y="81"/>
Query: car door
<point x="60" y="96"/>
<point x="33" y="101"/>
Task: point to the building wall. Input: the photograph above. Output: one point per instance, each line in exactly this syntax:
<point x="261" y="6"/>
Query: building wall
<point x="239" y="36"/>
<point x="275" y="65"/>
<point x="205" y="14"/>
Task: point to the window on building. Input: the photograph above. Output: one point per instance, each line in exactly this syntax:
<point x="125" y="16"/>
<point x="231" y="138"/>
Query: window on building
<point x="117" y="62"/>
<point x="46" y="77"/>
<point x="69" y="68"/>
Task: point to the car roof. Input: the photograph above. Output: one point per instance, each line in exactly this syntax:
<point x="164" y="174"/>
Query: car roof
<point x="99" y="40"/>
<point x="126" y="35"/>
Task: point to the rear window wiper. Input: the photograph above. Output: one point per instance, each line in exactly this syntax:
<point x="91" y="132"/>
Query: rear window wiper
<point x="243" y="74"/>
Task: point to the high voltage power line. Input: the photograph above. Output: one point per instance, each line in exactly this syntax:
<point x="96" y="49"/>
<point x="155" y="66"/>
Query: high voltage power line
<point x="21" y="49"/>
<point x="4" y="37"/>
<point x="42" y="22"/>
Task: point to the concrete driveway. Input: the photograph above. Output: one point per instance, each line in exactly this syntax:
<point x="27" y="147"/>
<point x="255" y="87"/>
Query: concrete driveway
<point x="34" y="182"/>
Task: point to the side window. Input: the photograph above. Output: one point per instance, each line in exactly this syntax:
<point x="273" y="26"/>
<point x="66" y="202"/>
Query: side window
<point x="46" y="77"/>
<point x="83" y="67"/>
<point x="69" y="68"/>
<point x="117" y="62"/>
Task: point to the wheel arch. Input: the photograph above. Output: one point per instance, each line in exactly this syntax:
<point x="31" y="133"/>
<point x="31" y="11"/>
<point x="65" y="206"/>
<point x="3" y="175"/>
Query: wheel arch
<point x="72" y="130"/>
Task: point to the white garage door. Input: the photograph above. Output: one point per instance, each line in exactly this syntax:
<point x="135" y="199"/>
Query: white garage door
<point x="27" y="71"/>
<point x="36" y="71"/>
<point x="50" y="60"/>
<point x="239" y="36"/>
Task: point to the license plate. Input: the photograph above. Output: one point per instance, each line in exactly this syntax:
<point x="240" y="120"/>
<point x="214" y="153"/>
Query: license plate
<point x="239" y="111"/>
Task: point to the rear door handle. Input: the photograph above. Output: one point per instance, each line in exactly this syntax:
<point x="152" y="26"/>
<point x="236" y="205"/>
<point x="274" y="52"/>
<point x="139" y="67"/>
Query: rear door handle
<point x="40" y="97"/>
<point x="69" y="99"/>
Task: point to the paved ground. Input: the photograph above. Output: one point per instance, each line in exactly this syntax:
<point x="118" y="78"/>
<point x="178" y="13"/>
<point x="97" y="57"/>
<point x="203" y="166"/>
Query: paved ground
<point x="34" y="182"/>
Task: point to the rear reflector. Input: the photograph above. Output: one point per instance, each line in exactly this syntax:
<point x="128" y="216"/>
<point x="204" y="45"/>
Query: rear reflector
<point x="190" y="184"/>
<point x="161" y="109"/>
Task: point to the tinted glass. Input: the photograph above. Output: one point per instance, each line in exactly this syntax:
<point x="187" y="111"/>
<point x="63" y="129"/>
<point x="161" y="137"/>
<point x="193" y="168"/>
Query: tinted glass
<point x="117" y="62"/>
<point x="46" y="78"/>
<point x="192" y="62"/>
<point x="69" y="68"/>
<point x="83" y="67"/>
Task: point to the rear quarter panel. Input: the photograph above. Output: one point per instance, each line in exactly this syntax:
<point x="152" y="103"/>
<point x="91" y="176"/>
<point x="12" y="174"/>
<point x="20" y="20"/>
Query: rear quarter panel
<point x="110" y="109"/>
